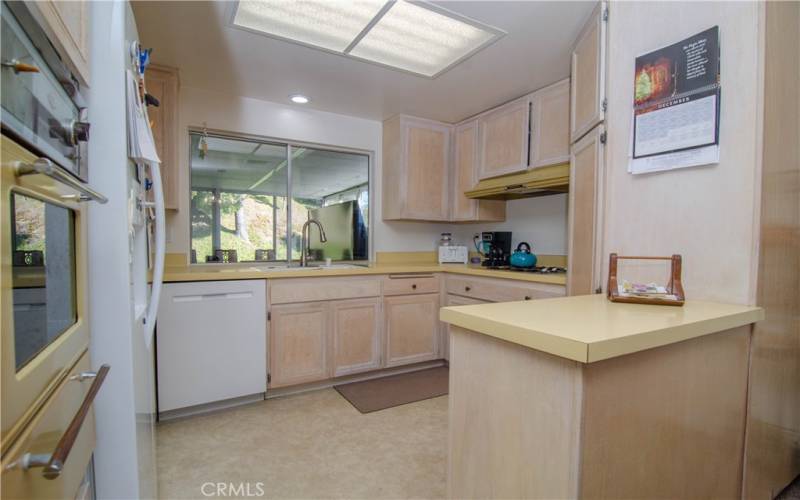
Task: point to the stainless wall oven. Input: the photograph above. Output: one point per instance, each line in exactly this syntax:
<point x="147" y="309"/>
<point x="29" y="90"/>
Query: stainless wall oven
<point x="42" y="103"/>
<point x="47" y="431"/>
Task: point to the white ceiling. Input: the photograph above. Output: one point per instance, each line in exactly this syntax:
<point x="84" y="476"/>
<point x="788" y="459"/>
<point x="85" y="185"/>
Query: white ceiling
<point x="196" y="38"/>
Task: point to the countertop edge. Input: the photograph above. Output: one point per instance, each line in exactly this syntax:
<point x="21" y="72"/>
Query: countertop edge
<point x="523" y="336"/>
<point x="590" y="352"/>
<point x="598" y="351"/>
<point x="184" y="274"/>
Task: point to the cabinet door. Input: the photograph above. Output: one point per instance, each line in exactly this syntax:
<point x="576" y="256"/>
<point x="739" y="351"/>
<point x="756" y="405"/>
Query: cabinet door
<point x="67" y="26"/>
<point x="550" y="125"/>
<point x="454" y="300"/>
<point x="465" y="177"/>
<point x="411" y="323"/>
<point x="587" y="95"/>
<point x="162" y="83"/>
<point x="503" y="140"/>
<point x="586" y="178"/>
<point x="298" y="343"/>
<point x="426" y="167"/>
<point x="355" y="336"/>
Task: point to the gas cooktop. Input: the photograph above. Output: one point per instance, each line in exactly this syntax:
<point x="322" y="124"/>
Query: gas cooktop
<point x="535" y="270"/>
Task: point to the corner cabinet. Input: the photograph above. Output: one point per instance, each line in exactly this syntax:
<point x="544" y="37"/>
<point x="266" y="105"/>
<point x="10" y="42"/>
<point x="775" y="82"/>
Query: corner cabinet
<point x="503" y="139"/>
<point x="465" y="176"/>
<point x="67" y="26"/>
<point x="550" y="135"/>
<point x="162" y="83"/>
<point x="416" y="169"/>
<point x="587" y="178"/>
<point x="587" y="95"/>
<point x="411" y="324"/>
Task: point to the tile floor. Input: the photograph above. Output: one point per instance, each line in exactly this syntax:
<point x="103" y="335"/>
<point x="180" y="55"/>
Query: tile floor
<point x="311" y="445"/>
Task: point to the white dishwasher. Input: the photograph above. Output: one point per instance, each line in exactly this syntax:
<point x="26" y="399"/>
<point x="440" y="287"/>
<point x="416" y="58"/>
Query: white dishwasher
<point x="211" y="342"/>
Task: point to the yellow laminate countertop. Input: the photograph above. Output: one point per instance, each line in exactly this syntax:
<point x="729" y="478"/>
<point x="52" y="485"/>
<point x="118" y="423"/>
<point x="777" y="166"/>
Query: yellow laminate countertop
<point x="590" y="328"/>
<point x="218" y="272"/>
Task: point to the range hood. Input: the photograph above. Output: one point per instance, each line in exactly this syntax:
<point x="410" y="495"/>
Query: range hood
<point x="541" y="181"/>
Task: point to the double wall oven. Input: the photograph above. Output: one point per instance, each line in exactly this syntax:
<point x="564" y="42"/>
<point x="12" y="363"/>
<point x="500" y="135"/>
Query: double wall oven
<point x="46" y="419"/>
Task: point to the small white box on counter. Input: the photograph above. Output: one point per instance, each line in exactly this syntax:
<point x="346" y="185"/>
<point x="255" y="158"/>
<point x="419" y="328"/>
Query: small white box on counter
<point x="453" y="255"/>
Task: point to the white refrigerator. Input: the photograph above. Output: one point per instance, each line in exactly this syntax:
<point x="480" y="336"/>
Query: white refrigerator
<point x="121" y="315"/>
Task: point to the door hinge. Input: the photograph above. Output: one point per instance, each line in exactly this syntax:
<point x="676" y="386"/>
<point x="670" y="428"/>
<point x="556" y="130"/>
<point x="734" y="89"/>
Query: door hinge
<point x="269" y="378"/>
<point x="604" y="104"/>
<point x="603" y="138"/>
<point x="605" y="14"/>
<point x="269" y="316"/>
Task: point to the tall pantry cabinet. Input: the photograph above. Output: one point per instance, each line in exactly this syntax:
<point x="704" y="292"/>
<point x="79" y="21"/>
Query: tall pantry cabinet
<point x="587" y="153"/>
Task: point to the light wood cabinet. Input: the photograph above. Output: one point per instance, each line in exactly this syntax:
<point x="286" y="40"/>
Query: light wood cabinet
<point x="411" y="324"/>
<point x="454" y="300"/>
<point x="162" y="83"/>
<point x="355" y="336"/>
<point x="503" y="139"/>
<point x="416" y="169"/>
<point x="587" y="94"/>
<point x="587" y="174"/>
<point x="67" y="26"/>
<point x="465" y="176"/>
<point x="550" y="136"/>
<point x="298" y="344"/>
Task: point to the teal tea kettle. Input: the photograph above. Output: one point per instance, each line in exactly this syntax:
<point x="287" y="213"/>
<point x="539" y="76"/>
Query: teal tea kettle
<point x="522" y="256"/>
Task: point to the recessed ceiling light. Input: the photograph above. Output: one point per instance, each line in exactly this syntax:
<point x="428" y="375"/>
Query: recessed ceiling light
<point x="420" y="38"/>
<point x="299" y="99"/>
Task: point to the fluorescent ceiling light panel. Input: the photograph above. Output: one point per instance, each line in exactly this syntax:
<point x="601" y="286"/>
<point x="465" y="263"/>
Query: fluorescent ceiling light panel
<point x="420" y="40"/>
<point x="329" y="24"/>
<point x="415" y="37"/>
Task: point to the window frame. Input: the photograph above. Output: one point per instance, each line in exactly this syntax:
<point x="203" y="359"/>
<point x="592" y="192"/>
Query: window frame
<point x="289" y="145"/>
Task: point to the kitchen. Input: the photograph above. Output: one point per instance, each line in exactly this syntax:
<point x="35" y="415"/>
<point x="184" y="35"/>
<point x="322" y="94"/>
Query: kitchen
<point x="362" y="249"/>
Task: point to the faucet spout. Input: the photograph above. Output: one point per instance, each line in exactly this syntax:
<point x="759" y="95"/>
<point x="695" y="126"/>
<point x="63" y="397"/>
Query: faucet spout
<point x="305" y="235"/>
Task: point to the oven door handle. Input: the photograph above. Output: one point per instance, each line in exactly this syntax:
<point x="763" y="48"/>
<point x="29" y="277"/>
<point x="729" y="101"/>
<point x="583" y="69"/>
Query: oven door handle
<point x="54" y="463"/>
<point x="46" y="167"/>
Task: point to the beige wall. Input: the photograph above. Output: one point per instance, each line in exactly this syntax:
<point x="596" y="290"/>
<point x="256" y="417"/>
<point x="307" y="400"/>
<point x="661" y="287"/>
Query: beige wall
<point x="704" y="213"/>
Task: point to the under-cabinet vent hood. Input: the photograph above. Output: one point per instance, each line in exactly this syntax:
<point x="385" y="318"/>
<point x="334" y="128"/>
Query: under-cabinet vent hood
<point x="541" y="181"/>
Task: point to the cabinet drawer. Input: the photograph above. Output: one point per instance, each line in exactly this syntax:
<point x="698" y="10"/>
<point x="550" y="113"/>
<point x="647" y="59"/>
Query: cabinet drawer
<point x="45" y="431"/>
<point x="406" y="284"/>
<point x="498" y="290"/>
<point x="291" y="291"/>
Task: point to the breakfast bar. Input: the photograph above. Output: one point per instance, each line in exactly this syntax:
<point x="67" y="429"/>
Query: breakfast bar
<point x="579" y="397"/>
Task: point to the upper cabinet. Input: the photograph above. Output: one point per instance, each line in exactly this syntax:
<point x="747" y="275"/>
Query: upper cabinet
<point x="503" y="139"/>
<point x="416" y="169"/>
<point x="588" y="98"/>
<point x="465" y="160"/>
<point x="67" y="26"/>
<point x="585" y="210"/>
<point x="162" y="83"/>
<point x="550" y="136"/>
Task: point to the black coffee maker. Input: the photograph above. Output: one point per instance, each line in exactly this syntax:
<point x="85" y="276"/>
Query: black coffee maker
<point x="496" y="248"/>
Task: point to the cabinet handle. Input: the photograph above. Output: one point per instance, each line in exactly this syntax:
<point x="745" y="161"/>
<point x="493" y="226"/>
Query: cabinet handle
<point x="53" y="463"/>
<point x="414" y="286"/>
<point x="467" y="289"/>
<point x="527" y="297"/>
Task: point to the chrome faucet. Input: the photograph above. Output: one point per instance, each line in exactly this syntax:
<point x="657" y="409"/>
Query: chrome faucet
<point x="304" y="245"/>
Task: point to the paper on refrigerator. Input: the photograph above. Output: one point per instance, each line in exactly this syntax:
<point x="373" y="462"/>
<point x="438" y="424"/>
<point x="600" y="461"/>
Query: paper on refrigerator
<point x="141" y="146"/>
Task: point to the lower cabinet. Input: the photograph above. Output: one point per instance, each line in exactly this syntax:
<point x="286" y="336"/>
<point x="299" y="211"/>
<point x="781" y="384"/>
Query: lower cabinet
<point x="412" y="324"/>
<point x="355" y="336"/>
<point x="455" y="300"/>
<point x="320" y="340"/>
<point x="298" y="343"/>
